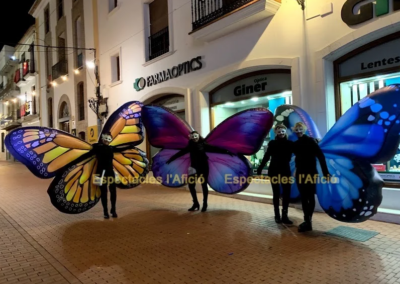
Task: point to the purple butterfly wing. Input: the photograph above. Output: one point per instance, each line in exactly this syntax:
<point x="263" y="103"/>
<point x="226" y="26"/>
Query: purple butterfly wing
<point x="164" y="128"/>
<point x="228" y="174"/>
<point x="172" y="174"/>
<point x="242" y="133"/>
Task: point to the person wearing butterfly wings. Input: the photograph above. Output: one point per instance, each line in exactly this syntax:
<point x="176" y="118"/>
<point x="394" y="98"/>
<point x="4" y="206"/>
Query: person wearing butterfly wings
<point x="74" y="163"/>
<point x="306" y="151"/>
<point x="280" y="151"/>
<point x="219" y="157"/>
<point x="199" y="170"/>
<point x="105" y="170"/>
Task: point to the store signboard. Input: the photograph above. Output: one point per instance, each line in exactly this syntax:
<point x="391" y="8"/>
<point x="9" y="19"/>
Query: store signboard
<point x="93" y="134"/>
<point x="387" y="176"/>
<point x="175" y="103"/>
<point x="384" y="56"/>
<point x="253" y="86"/>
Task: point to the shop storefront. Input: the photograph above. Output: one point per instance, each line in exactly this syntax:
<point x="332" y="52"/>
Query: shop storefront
<point x="362" y="72"/>
<point x="266" y="88"/>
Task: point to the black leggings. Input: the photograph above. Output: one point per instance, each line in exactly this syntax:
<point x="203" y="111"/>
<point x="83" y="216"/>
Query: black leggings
<point x="276" y="190"/>
<point x="307" y="194"/>
<point x="192" y="186"/>
<point x="113" y="195"/>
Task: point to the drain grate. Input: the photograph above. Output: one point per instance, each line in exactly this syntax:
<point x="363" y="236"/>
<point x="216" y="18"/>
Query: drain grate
<point x="352" y="233"/>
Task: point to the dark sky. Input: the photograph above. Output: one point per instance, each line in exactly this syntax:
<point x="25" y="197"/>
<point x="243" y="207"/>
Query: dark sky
<point x="14" y="20"/>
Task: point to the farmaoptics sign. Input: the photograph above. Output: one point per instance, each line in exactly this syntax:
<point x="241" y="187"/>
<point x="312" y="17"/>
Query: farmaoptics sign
<point x="174" y="72"/>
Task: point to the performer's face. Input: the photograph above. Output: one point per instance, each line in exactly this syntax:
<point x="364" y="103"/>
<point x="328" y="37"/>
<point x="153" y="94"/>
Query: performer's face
<point x="280" y="133"/>
<point x="299" y="130"/>
<point x="194" y="137"/>
<point x="106" y="139"/>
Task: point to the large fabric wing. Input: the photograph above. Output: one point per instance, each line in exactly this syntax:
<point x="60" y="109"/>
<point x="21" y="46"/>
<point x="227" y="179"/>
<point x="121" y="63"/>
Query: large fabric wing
<point x="125" y="125"/>
<point x="45" y="151"/>
<point x="73" y="191"/>
<point x="369" y="130"/>
<point x="367" y="133"/>
<point x="173" y="174"/>
<point x="130" y="167"/>
<point x="242" y="133"/>
<point x="228" y="174"/>
<point x="164" y="128"/>
<point x="354" y="193"/>
<point x="289" y="115"/>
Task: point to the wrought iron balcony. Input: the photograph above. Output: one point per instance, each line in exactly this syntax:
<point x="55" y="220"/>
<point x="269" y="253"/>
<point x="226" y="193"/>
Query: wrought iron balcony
<point x="60" y="69"/>
<point x="207" y="11"/>
<point x="159" y="43"/>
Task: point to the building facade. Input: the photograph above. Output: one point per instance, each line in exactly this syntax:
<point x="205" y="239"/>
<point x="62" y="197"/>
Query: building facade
<point x="66" y="36"/>
<point x="210" y="59"/>
<point x="20" y="102"/>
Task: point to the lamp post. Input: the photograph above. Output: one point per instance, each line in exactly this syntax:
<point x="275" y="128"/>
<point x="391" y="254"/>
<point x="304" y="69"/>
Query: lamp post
<point x="301" y="3"/>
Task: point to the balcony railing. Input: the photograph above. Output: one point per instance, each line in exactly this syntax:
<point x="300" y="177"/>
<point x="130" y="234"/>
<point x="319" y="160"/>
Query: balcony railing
<point x="159" y="43"/>
<point x="206" y="11"/>
<point x="60" y="69"/>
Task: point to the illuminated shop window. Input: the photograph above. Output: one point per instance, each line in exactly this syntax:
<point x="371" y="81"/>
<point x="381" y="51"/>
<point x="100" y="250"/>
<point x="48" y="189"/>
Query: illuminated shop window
<point x="221" y="112"/>
<point x="353" y="91"/>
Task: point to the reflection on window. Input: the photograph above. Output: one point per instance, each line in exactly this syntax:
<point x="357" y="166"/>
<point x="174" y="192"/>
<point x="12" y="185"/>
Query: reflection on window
<point x="353" y="91"/>
<point x="223" y="111"/>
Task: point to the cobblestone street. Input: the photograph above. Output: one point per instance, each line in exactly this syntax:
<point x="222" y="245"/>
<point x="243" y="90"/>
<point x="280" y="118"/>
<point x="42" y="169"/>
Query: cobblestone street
<point x="156" y="240"/>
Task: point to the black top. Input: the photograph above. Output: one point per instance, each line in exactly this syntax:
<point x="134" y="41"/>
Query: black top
<point x="105" y="156"/>
<point x="280" y="152"/>
<point x="198" y="156"/>
<point x="307" y="150"/>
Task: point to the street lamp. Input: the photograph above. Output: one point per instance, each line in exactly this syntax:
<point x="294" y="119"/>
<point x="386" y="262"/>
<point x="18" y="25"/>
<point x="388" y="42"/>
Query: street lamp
<point x="301" y="3"/>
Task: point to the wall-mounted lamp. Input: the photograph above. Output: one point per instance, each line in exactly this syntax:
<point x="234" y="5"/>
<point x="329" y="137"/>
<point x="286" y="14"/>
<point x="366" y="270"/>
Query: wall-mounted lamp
<point x="64" y="78"/>
<point x="76" y="71"/>
<point x="6" y="103"/>
<point x="53" y="83"/>
<point x="14" y="100"/>
<point x="301" y="3"/>
<point x="33" y="93"/>
<point x="90" y="64"/>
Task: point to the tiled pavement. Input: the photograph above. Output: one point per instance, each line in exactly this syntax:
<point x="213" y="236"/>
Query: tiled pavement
<point x="155" y="240"/>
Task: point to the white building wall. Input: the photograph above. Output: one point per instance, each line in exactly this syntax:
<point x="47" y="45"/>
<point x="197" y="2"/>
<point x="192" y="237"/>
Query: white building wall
<point x="66" y="88"/>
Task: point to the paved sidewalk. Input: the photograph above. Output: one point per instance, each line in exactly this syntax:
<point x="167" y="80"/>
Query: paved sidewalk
<point x="155" y="240"/>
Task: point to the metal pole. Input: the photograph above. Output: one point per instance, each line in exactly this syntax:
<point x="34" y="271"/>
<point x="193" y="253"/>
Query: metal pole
<point x="98" y="95"/>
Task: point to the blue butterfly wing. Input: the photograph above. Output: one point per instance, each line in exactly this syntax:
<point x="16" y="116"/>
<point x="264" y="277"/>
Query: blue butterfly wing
<point x="367" y="133"/>
<point x="355" y="192"/>
<point x="289" y="115"/>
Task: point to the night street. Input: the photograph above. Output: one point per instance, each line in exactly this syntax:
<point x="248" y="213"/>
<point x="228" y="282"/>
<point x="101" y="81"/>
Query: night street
<point x="155" y="240"/>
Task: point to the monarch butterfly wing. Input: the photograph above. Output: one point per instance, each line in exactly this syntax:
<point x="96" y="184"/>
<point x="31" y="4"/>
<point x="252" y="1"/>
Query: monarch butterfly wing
<point x="45" y="151"/>
<point x="73" y="191"/>
<point x="130" y="167"/>
<point x="125" y="126"/>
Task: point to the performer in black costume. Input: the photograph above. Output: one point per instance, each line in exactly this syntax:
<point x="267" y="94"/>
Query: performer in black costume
<point x="280" y="151"/>
<point x="105" y="157"/>
<point x="307" y="150"/>
<point x="197" y="148"/>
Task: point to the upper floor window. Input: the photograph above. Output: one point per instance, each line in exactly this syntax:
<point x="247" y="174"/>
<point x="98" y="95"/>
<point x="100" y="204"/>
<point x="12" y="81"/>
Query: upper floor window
<point x="159" y="32"/>
<point x="50" y="111"/>
<point x="46" y="20"/>
<point x="115" y="68"/>
<point x="79" y="42"/>
<point x="112" y="4"/>
<point x="60" y="9"/>
<point x="81" y="101"/>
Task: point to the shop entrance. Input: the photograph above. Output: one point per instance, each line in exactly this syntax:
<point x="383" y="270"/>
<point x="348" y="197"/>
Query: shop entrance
<point x="267" y="88"/>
